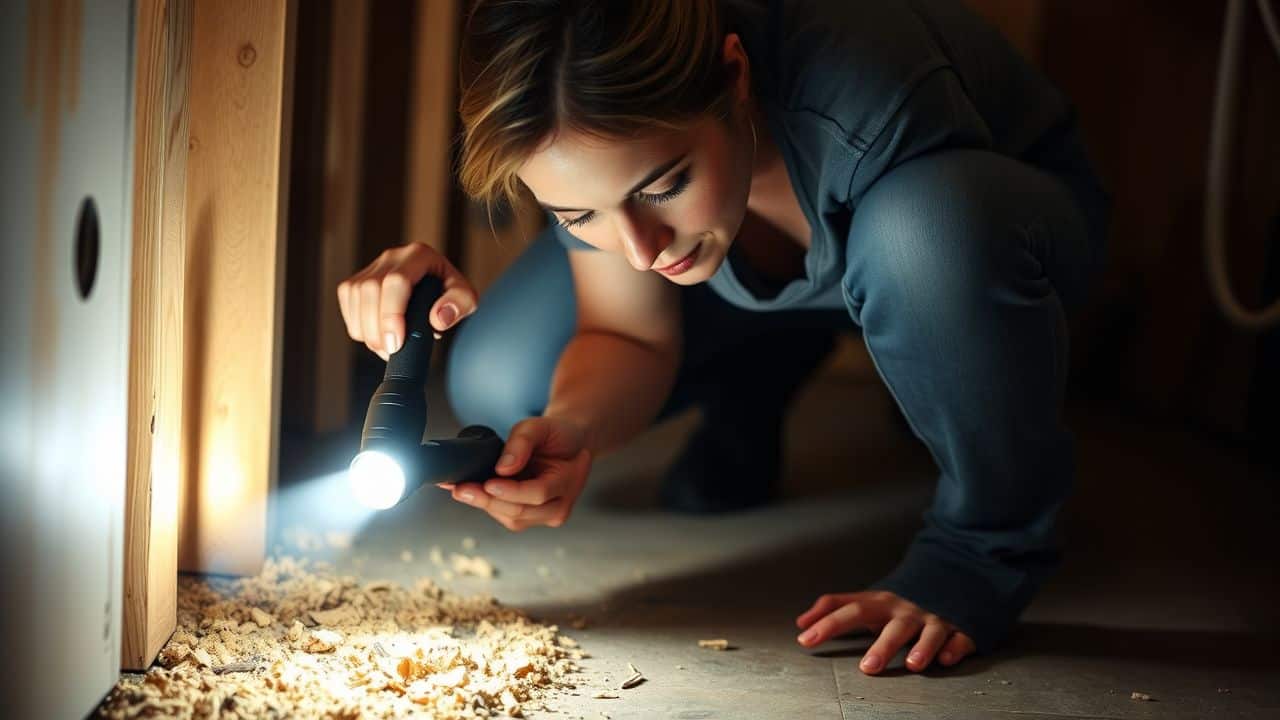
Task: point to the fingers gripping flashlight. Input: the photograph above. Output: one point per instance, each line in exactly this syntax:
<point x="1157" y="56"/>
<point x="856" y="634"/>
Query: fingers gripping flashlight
<point x="394" y="460"/>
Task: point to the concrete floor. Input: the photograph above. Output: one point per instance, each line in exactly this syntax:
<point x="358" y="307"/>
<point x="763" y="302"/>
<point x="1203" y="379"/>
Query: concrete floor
<point x="1170" y="587"/>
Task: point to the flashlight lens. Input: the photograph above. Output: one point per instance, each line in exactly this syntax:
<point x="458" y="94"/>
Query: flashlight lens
<point x="377" y="480"/>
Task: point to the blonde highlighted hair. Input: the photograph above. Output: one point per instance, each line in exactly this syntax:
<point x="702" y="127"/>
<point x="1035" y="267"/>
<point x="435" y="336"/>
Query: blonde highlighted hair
<point x="607" y="68"/>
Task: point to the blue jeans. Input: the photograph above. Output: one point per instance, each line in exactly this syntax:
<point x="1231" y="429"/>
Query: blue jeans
<point x="960" y="266"/>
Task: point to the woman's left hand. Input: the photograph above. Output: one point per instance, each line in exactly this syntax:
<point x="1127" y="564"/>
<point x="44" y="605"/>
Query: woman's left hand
<point x="897" y="621"/>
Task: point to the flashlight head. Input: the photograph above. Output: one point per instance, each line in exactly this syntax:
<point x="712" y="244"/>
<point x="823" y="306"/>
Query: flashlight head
<point x="377" y="479"/>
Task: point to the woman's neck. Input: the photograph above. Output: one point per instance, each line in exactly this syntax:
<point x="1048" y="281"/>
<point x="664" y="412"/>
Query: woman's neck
<point x="772" y="197"/>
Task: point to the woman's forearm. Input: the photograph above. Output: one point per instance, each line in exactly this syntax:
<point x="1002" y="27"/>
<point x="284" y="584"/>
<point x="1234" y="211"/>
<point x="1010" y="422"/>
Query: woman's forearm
<point x="611" y="386"/>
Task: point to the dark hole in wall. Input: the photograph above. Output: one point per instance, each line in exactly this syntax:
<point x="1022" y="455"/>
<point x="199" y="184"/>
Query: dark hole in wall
<point x="88" y="247"/>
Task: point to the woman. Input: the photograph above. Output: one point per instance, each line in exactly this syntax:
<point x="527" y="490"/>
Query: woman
<point x="730" y="183"/>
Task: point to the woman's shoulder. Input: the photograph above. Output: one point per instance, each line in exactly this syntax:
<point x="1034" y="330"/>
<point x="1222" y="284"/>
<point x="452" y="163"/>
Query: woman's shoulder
<point x="850" y="62"/>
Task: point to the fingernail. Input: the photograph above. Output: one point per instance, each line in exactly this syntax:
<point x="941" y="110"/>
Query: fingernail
<point x="466" y="496"/>
<point x="390" y="344"/>
<point x="807" y="637"/>
<point x="945" y="657"/>
<point x="915" y="658"/>
<point x="448" y="313"/>
<point x="871" y="663"/>
<point x="506" y="460"/>
<point x="493" y="490"/>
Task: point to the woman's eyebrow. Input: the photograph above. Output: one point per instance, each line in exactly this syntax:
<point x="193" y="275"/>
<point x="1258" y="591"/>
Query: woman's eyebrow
<point x="653" y="175"/>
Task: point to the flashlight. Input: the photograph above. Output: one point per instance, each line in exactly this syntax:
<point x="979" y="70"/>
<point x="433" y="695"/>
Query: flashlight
<point x="394" y="460"/>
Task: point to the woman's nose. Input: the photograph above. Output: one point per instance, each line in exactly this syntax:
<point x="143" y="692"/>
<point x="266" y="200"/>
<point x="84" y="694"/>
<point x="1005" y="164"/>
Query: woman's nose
<point x="642" y="238"/>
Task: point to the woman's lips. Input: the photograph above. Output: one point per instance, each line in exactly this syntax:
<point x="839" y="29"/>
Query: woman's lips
<point x="682" y="264"/>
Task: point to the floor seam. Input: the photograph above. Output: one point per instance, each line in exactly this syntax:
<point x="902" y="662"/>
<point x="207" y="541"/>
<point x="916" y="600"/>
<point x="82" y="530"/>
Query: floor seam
<point x="835" y="679"/>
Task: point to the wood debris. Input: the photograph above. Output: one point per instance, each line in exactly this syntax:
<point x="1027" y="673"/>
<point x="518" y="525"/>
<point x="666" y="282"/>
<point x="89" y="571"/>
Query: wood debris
<point x="406" y="556"/>
<point x="1140" y="696"/>
<point x="635" y="679"/>
<point x="380" y="650"/>
<point x="717" y="644"/>
<point x="606" y="695"/>
<point x="260" y="618"/>
<point x="468" y="544"/>
<point x="469" y="565"/>
<point x="341" y="615"/>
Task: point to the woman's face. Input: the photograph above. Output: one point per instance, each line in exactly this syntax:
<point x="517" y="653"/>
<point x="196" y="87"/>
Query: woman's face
<point x="655" y="200"/>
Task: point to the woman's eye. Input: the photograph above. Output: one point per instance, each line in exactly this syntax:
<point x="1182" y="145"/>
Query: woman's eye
<point x="682" y="182"/>
<point x="580" y="220"/>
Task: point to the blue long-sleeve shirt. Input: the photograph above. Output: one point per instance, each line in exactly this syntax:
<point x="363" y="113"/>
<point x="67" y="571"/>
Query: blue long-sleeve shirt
<point x="851" y="89"/>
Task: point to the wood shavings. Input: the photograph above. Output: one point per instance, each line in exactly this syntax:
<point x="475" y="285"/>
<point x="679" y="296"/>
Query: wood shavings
<point x="260" y="618"/>
<point x="468" y="565"/>
<point x="406" y="556"/>
<point x="717" y="644"/>
<point x="381" y="650"/>
<point x="632" y="681"/>
<point x="239" y="666"/>
<point x="606" y="695"/>
<point x="1143" y="697"/>
<point x="436" y="557"/>
<point x="322" y="641"/>
<point x="343" y="615"/>
<point x="468" y="544"/>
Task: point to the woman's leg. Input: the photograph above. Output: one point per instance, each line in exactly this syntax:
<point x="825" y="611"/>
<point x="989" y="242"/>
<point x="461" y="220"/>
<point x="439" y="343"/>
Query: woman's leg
<point x="959" y="265"/>
<point x="742" y="369"/>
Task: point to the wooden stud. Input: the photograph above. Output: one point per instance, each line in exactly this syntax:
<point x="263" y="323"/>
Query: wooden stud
<point x="431" y="123"/>
<point x="237" y="195"/>
<point x="341" y="209"/>
<point x="163" y="46"/>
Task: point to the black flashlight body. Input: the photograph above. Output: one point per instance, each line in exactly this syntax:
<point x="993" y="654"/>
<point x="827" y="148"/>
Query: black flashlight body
<point x="396" y="420"/>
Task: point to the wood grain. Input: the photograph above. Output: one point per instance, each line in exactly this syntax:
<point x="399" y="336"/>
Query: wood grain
<point x="343" y="166"/>
<point x="163" y="45"/>
<point x="431" y="122"/>
<point x="237" y="194"/>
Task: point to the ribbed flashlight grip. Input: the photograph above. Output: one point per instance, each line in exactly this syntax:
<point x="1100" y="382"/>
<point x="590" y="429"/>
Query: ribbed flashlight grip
<point x="413" y="360"/>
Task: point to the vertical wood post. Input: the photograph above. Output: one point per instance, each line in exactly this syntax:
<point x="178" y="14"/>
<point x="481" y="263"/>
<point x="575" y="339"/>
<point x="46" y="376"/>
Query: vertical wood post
<point x="236" y="211"/>
<point x="162" y="60"/>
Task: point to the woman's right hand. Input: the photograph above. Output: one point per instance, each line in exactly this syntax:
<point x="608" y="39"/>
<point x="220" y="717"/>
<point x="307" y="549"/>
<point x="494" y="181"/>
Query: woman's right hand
<point x="551" y="453"/>
<point x="373" y="300"/>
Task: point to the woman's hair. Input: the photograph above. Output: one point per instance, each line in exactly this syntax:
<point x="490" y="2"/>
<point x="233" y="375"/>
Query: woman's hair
<point x="607" y="68"/>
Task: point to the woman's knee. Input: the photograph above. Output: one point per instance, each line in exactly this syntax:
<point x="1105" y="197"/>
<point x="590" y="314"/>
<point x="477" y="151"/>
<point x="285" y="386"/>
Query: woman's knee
<point x="502" y="358"/>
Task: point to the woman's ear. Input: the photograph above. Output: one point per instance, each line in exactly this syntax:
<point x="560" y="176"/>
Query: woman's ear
<point x="737" y="67"/>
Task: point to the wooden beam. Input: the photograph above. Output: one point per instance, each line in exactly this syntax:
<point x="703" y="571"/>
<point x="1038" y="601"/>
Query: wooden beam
<point x="344" y="158"/>
<point x="431" y="123"/>
<point x="163" y="47"/>
<point x="237" y="194"/>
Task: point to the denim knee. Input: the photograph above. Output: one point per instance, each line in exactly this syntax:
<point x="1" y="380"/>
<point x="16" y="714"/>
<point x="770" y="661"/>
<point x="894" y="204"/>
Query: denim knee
<point x="503" y="356"/>
<point x="934" y="240"/>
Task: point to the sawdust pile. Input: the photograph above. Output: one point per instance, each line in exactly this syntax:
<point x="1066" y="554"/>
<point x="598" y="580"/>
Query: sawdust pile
<point x="299" y="641"/>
